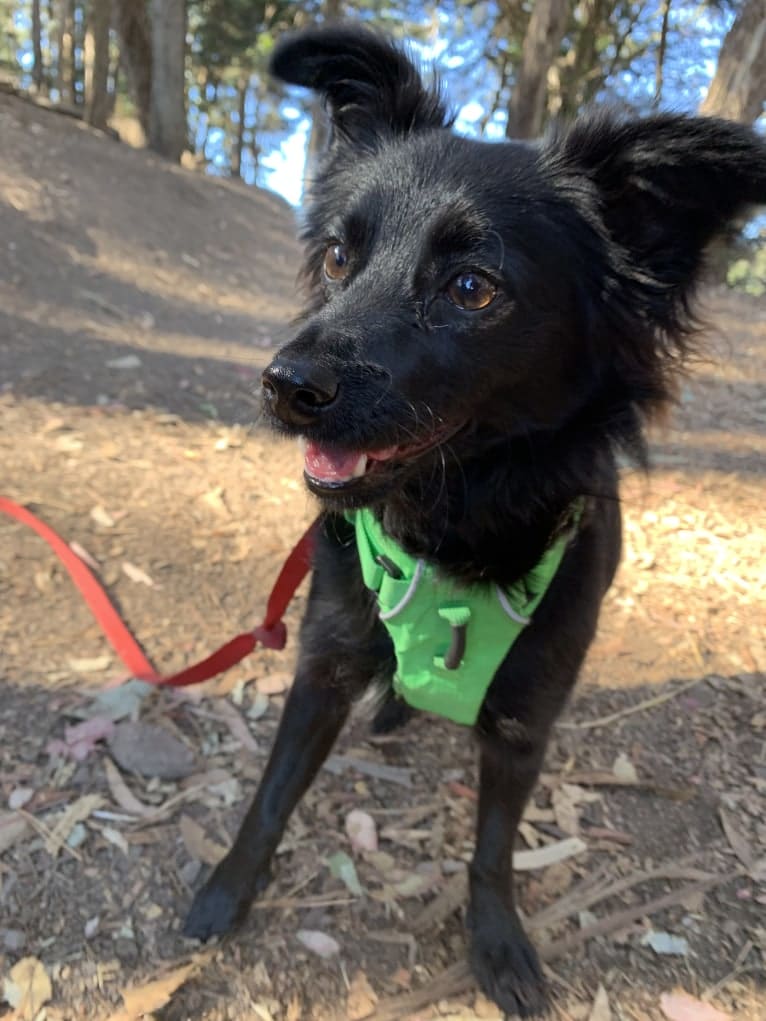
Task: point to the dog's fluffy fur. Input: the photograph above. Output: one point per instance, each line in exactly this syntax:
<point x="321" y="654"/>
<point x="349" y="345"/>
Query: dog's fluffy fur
<point x="493" y="421"/>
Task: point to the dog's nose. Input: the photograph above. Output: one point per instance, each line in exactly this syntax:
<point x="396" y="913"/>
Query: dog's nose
<point x="298" y="392"/>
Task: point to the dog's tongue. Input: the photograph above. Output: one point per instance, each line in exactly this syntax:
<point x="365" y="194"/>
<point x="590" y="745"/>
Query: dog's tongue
<point x="331" y="465"/>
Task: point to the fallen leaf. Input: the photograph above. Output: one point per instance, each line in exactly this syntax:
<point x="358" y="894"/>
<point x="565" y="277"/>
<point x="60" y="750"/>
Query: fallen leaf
<point x="136" y="574"/>
<point x="197" y="842"/>
<point x="294" y="1010"/>
<point x="417" y="883"/>
<point x="737" y="839"/>
<point x="12" y="829"/>
<point x="145" y="999"/>
<point x="259" y="706"/>
<point x="665" y="943"/>
<point x="565" y="801"/>
<point x="445" y="903"/>
<point x="214" y="499"/>
<point x="361" y="830"/>
<point x="122" y="794"/>
<point x="318" y="942"/>
<point x="343" y="868"/>
<point x="624" y="770"/>
<point x="90" y="665"/>
<point x="80" y="740"/>
<point x="102" y="517"/>
<point x="83" y="554"/>
<point x="228" y="789"/>
<point x="550" y="854"/>
<point x="27" y="987"/>
<point x="600" y="1011"/>
<point x="115" y="837"/>
<point x="274" y="684"/>
<point x="239" y="729"/>
<point x="117" y="703"/>
<point x="381" y="860"/>
<point x="77" y="812"/>
<point x="150" y="750"/>
<point x="78" y="835"/>
<point x="460" y="790"/>
<point x="361" y="999"/>
<point x="378" y="770"/>
<point x="682" y="1007"/>
<point x="68" y="444"/>
<point x="19" y="797"/>
<point x="124" y="362"/>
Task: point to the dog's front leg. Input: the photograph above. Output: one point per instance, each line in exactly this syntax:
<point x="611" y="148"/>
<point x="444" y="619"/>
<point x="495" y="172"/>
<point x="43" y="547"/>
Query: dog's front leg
<point x="314" y="713"/>
<point x="503" y="960"/>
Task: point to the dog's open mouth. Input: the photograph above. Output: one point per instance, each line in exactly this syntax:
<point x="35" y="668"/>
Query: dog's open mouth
<point x="333" y="467"/>
<point x="329" y="466"/>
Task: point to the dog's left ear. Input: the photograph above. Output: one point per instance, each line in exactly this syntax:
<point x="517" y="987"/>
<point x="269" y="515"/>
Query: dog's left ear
<point x="373" y="88"/>
<point x="666" y="185"/>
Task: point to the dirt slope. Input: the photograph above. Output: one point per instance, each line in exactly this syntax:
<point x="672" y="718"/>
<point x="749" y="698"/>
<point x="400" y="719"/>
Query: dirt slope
<point x="137" y="303"/>
<point x="107" y="252"/>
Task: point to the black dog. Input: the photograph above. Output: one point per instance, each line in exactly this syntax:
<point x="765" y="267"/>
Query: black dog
<point x="490" y="325"/>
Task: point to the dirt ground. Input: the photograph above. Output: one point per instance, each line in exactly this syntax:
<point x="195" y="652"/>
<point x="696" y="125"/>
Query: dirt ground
<point x="137" y="303"/>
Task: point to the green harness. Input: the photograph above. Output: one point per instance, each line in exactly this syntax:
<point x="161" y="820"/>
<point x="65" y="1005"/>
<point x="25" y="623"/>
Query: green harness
<point x="449" y="640"/>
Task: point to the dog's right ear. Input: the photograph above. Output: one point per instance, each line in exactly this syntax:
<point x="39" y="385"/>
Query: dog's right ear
<point x="372" y="87"/>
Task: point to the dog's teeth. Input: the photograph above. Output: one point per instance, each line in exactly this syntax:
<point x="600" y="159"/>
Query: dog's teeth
<point x="302" y="444"/>
<point x="360" y="467"/>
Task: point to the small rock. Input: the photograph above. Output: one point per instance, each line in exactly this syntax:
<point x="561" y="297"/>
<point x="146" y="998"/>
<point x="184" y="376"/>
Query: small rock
<point x="12" y="939"/>
<point x="125" y="362"/>
<point x="150" y="750"/>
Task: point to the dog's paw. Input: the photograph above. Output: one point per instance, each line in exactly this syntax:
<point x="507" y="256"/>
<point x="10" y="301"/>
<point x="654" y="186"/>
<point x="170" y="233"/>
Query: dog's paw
<point x="392" y="715"/>
<point x="220" y="905"/>
<point x="505" y="964"/>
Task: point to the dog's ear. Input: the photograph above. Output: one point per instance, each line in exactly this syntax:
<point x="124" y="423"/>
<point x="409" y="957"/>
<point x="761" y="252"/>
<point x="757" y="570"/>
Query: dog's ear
<point x="373" y="88"/>
<point x="666" y="185"/>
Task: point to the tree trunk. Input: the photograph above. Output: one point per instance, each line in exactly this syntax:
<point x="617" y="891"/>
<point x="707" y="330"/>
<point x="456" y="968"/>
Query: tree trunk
<point x="136" y="55"/>
<point x="97" y="64"/>
<point x="239" y="141"/>
<point x="738" y="89"/>
<point x="167" y="113"/>
<point x="659" y="70"/>
<point x="65" y="47"/>
<point x="547" y="25"/>
<point x="38" y="71"/>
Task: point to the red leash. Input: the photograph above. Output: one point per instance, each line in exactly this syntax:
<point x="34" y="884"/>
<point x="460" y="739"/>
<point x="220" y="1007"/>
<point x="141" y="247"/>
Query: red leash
<point x="272" y="633"/>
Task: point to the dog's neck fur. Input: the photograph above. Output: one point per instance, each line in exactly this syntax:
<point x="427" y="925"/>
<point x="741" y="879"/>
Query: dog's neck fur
<point x="490" y="519"/>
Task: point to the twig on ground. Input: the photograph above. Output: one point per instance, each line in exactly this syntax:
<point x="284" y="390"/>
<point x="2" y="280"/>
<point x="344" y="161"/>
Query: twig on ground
<point x="603" y="778"/>
<point x="457" y="978"/>
<point x="648" y="703"/>
<point x="736" y="968"/>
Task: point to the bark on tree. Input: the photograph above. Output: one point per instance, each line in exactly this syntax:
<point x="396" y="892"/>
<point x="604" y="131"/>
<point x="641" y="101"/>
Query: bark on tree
<point x="65" y="48"/>
<point x="167" y="112"/>
<point x="97" y="102"/>
<point x="659" y="70"/>
<point x="136" y="55"/>
<point x="239" y="141"/>
<point x="547" y="25"/>
<point x="738" y="89"/>
<point x="38" y="71"/>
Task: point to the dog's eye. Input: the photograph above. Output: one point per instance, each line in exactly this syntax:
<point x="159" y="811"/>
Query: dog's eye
<point x="336" y="262"/>
<point x="471" y="291"/>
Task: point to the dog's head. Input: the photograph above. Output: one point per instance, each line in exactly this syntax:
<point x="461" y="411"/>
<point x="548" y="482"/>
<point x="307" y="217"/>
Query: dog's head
<point x="462" y="287"/>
